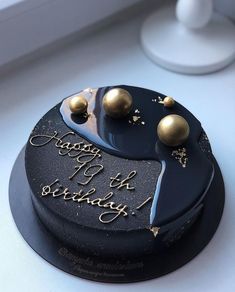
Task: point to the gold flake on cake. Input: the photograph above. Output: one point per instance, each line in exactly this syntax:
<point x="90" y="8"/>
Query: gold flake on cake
<point x="136" y="118"/>
<point x="181" y="155"/>
<point x="154" y="230"/>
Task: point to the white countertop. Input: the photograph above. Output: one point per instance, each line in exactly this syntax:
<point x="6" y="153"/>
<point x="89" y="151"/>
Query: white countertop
<point x="113" y="56"/>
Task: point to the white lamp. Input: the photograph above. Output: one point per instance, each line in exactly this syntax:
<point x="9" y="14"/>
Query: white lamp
<point x="190" y="39"/>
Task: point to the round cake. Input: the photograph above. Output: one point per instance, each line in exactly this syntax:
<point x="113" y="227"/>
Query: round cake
<point x="120" y="173"/>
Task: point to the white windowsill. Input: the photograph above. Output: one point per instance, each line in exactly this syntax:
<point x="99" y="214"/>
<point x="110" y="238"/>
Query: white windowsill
<point x="27" y="25"/>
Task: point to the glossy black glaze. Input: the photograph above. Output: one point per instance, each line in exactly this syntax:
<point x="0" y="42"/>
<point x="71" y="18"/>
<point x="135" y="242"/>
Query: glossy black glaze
<point x="178" y="189"/>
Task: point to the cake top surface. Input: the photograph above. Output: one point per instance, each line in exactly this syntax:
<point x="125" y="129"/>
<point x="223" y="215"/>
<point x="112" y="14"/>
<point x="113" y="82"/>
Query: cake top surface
<point x="116" y="174"/>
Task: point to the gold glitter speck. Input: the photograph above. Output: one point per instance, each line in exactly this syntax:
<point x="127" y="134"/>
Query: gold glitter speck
<point x="181" y="155"/>
<point x="155" y="230"/>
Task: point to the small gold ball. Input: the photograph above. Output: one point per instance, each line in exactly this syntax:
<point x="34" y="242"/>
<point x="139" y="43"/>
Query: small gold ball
<point x="117" y="103"/>
<point x="168" y="101"/>
<point x="173" y="130"/>
<point x="78" y="104"/>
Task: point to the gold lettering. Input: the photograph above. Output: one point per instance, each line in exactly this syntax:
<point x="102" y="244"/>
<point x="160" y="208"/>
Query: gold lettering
<point x="117" y="213"/>
<point x="116" y="210"/>
<point x="98" y="168"/>
<point x="116" y="182"/>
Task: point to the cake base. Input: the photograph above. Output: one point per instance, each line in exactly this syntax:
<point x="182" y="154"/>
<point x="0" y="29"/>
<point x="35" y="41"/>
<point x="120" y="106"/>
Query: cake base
<point x="110" y="269"/>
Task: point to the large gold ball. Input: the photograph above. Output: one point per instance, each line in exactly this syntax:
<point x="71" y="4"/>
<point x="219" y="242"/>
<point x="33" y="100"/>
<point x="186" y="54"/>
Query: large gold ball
<point x="117" y="103"/>
<point x="173" y="130"/>
<point x="78" y="104"/>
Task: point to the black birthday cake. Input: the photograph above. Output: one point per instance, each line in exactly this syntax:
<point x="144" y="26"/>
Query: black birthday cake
<point x="119" y="173"/>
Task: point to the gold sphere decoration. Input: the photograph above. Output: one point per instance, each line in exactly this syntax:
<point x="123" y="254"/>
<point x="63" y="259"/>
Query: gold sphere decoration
<point x="168" y="101"/>
<point x="117" y="103"/>
<point x="173" y="130"/>
<point x="78" y="104"/>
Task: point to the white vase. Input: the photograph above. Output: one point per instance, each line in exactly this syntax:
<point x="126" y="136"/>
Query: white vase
<point x="194" y="13"/>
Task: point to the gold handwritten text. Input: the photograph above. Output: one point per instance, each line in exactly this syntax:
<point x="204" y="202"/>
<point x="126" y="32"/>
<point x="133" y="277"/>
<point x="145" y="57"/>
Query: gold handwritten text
<point x="115" y="210"/>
